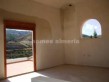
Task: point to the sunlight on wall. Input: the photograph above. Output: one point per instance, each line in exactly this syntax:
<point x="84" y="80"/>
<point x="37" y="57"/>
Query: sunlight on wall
<point x="91" y="29"/>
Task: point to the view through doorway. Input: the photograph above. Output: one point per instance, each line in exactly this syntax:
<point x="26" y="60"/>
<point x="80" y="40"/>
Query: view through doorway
<point x="20" y="51"/>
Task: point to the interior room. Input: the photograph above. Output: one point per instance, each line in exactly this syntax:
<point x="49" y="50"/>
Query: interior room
<point x="54" y="41"/>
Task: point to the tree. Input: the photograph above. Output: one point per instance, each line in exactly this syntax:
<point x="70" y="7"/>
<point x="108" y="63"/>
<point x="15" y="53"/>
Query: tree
<point x="95" y="34"/>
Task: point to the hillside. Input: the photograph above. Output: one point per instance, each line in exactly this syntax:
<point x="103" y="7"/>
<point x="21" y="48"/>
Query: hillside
<point x="18" y="39"/>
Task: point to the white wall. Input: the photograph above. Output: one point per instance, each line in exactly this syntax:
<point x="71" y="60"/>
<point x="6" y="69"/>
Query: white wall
<point x="91" y="52"/>
<point x="48" y="26"/>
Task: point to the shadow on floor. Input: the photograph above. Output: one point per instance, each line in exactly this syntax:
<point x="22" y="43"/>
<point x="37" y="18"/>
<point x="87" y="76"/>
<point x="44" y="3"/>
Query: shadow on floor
<point x="78" y="73"/>
<point x="5" y="80"/>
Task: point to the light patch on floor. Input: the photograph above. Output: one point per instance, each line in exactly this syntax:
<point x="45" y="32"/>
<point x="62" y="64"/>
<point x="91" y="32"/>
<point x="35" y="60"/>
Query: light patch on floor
<point x="23" y="78"/>
<point x="67" y="73"/>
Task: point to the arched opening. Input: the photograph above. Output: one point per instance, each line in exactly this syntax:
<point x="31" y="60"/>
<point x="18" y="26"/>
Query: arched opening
<point x="91" y="29"/>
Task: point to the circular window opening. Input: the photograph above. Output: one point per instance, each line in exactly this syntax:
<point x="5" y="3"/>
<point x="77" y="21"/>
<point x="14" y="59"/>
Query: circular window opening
<point x="91" y="29"/>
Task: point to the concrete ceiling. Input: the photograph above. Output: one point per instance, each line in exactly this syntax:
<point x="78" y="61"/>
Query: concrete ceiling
<point x="58" y="3"/>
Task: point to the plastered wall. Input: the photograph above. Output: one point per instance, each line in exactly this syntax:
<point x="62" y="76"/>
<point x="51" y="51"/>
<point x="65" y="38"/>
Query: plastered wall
<point x="48" y="20"/>
<point x="48" y="27"/>
<point x="91" y="52"/>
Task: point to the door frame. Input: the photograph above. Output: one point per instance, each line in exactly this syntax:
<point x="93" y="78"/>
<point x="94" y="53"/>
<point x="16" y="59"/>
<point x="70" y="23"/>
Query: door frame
<point x="23" y="26"/>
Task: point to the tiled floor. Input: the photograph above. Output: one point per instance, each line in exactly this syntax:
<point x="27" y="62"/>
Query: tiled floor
<point x="19" y="68"/>
<point x="68" y="73"/>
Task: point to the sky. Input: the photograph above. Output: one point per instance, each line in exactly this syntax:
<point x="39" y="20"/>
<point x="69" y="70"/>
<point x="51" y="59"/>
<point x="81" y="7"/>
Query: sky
<point x="19" y="30"/>
<point x="91" y="25"/>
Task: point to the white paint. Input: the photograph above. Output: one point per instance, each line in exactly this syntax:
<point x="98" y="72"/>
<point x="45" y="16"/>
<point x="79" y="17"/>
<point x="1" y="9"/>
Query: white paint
<point x="91" y="52"/>
<point x="48" y="26"/>
<point x="57" y="3"/>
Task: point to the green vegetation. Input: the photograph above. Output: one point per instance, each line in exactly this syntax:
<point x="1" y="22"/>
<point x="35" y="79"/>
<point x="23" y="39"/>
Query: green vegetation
<point x="18" y="44"/>
<point x="19" y="54"/>
<point x="11" y="37"/>
<point x="95" y="34"/>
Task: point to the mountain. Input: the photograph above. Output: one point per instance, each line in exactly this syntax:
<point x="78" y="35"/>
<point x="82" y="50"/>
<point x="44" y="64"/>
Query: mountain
<point x="26" y="40"/>
<point x="18" y="39"/>
<point x="14" y="35"/>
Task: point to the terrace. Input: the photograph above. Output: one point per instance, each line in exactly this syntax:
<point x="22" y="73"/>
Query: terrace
<point x="19" y="66"/>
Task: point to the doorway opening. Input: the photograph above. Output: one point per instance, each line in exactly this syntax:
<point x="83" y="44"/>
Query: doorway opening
<point x="20" y="50"/>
